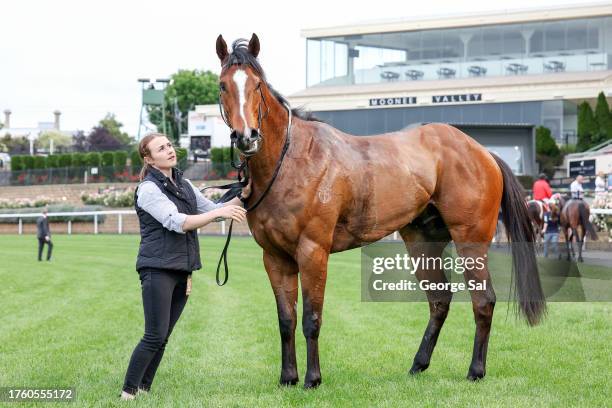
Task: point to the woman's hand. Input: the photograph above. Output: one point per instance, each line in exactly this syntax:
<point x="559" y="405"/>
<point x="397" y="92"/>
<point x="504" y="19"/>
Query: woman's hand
<point x="233" y="212"/>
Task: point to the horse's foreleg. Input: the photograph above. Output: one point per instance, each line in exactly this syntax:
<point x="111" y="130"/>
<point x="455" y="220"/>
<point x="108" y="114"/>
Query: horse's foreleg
<point x="312" y="261"/>
<point x="283" y="274"/>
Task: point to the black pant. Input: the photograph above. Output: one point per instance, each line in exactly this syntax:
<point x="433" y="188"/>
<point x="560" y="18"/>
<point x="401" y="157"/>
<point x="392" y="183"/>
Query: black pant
<point x="41" y="244"/>
<point x="163" y="298"/>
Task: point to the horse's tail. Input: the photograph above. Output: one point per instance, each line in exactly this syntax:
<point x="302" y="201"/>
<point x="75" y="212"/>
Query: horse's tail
<point x="527" y="287"/>
<point x="585" y="222"/>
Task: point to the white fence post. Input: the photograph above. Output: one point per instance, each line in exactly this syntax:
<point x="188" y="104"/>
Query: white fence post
<point x="120" y="226"/>
<point x="95" y="223"/>
<point x="20" y="226"/>
<point x="69" y="227"/>
<point x="223" y="227"/>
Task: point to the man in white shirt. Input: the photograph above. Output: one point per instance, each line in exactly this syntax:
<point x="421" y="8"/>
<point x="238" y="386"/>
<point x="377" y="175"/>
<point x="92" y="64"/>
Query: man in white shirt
<point x="576" y="188"/>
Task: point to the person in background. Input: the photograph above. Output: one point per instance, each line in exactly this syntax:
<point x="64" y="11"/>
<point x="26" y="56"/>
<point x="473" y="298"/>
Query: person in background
<point x="44" y="235"/>
<point x="576" y="189"/>
<point x="541" y="188"/>
<point x="551" y="232"/>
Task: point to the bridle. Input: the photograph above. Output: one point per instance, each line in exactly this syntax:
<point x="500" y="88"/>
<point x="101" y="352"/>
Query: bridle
<point x="242" y="167"/>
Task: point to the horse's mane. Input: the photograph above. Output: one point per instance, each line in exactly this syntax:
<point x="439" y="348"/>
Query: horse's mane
<point x="240" y="55"/>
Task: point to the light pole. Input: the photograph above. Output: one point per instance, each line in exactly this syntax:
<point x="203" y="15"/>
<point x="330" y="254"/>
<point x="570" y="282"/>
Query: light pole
<point x="153" y="97"/>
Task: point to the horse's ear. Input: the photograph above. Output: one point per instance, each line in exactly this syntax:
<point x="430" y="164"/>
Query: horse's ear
<point x="221" y="48"/>
<point x="254" y="45"/>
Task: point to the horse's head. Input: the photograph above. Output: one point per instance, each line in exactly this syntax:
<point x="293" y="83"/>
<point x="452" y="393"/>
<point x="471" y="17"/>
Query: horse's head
<point x="241" y="98"/>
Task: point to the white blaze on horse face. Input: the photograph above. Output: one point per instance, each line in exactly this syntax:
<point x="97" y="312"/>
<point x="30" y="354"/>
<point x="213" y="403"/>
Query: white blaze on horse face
<point x="240" y="78"/>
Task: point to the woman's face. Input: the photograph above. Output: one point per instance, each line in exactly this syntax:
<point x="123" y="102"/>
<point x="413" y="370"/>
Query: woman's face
<point x="162" y="155"/>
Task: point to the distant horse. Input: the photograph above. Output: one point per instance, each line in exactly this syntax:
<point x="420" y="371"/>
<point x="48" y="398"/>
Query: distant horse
<point x="576" y="225"/>
<point x="326" y="191"/>
<point x="536" y="211"/>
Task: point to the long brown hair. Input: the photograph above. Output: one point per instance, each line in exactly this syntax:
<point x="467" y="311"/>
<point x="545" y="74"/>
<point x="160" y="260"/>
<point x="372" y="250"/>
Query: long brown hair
<point x="143" y="150"/>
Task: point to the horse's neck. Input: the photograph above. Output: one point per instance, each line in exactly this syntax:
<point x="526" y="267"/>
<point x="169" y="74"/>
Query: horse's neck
<point x="264" y="162"/>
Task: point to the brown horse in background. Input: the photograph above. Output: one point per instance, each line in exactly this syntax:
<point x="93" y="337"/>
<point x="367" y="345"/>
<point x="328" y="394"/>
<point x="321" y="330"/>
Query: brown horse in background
<point x="335" y="192"/>
<point x="576" y="225"/>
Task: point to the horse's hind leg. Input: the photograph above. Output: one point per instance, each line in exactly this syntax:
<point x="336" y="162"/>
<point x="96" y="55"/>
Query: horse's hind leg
<point x="419" y="243"/>
<point x="580" y="236"/>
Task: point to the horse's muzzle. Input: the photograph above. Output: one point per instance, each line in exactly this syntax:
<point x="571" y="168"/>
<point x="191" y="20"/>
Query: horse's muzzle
<point x="248" y="145"/>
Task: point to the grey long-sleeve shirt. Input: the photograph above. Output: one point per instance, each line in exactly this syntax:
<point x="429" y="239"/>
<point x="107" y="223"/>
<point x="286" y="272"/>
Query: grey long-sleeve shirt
<point x="155" y="202"/>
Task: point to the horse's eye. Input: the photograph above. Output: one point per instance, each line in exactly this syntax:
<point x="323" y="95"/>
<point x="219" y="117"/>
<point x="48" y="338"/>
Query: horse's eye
<point x="222" y="87"/>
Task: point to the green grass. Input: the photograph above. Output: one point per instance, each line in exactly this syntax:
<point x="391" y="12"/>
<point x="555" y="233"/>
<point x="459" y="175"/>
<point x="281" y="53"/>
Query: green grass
<point x="75" y="321"/>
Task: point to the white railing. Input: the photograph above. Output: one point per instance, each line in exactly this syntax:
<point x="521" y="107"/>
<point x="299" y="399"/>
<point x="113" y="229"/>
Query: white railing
<point x="603" y="211"/>
<point x="119" y="213"/>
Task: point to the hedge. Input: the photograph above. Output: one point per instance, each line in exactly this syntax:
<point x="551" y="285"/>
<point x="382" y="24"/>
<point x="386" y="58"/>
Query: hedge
<point x="93" y="159"/>
<point x="28" y="162"/>
<point x="53" y="161"/>
<point x="17" y="163"/>
<point x="65" y="160"/>
<point x="120" y="159"/>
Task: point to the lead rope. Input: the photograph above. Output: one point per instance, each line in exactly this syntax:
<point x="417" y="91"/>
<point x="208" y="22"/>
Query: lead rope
<point x="259" y="200"/>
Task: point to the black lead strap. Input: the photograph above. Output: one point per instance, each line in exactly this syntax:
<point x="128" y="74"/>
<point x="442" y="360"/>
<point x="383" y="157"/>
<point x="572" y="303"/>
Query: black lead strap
<point x="234" y="190"/>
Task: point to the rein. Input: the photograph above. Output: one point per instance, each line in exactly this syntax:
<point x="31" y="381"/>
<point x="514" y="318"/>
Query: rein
<point x="234" y="188"/>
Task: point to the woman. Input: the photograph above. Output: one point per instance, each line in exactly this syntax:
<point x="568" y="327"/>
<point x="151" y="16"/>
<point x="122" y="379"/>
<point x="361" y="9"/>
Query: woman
<point x="170" y="210"/>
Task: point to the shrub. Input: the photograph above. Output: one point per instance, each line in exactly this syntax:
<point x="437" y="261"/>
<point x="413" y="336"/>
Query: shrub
<point x="181" y="157"/>
<point x="110" y="198"/>
<point x="136" y="162"/>
<point x="107" y="159"/>
<point x="53" y="161"/>
<point x="79" y="160"/>
<point x="40" y="162"/>
<point x="93" y="159"/>
<point x="120" y="160"/>
<point x="28" y="162"/>
<point x="65" y="160"/>
<point x="17" y="163"/>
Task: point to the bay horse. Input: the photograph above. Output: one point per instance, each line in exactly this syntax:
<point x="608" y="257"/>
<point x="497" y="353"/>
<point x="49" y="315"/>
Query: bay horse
<point x="335" y="191"/>
<point x="576" y="225"/>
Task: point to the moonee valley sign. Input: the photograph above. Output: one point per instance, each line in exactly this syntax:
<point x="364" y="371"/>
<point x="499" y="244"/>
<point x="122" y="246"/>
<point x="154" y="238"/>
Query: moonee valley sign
<point x="412" y="100"/>
<point x="402" y="100"/>
<point x="456" y="98"/>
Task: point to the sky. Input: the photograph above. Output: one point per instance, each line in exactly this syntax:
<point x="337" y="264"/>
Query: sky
<point x="84" y="57"/>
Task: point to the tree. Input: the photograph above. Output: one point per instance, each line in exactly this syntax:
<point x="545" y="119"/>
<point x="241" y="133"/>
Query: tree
<point x="113" y="126"/>
<point x="79" y="142"/>
<point x="15" y="145"/>
<point x="60" y="140"/>
<point x="604" y="120"/>
<point x="548" y="154"/>
<point x="188" y="88"/>
<point x="587" y="126"/>
<point x="100" y="139"/>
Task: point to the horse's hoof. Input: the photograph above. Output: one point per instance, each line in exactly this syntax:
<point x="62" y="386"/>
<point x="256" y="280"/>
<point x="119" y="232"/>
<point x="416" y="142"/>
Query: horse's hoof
<point x="475" y="374"/>
<point x="580" y="260"/>
<point x="312" y="383"/>
<point x="288" y="381"/>
<point x="418" y="367"/>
